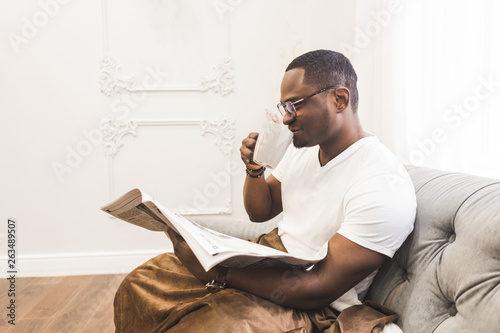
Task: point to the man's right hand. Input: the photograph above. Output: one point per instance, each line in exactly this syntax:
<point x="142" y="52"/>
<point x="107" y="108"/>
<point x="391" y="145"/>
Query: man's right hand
<point x="246" y="150"/>
<point x="261" y="196"/>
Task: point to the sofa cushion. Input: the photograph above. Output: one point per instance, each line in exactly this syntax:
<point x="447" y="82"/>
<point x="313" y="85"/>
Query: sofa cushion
<point x="446" y="276"/>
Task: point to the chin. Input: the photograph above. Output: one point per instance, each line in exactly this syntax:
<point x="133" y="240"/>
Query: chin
<point x="299" y="144"/>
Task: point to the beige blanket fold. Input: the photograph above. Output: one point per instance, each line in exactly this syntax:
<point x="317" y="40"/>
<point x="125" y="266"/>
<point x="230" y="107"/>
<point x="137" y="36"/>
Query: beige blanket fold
<point x="163" y="296"/>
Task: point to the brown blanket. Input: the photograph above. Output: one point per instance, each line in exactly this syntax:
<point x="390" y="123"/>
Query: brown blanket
<point x="162" y="296"/>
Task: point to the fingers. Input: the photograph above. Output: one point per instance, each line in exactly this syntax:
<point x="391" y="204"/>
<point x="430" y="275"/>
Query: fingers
<point x="170" y="232"/>
<point x="247" y="148"/>
<point x="174" y="237"/>
<point x="181" y="248"/>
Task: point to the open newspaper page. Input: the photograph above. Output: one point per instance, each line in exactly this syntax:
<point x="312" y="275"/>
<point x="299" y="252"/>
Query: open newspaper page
<point x="210" y="247"/>
<point x="130" y="208"/>
<point x="137" y="208"/>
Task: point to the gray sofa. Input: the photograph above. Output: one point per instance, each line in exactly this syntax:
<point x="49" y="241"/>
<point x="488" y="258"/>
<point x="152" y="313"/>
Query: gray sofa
<point x="446" y="276"/>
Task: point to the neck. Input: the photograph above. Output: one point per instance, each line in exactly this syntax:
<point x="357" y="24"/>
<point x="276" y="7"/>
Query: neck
<point x="343" y="140"/>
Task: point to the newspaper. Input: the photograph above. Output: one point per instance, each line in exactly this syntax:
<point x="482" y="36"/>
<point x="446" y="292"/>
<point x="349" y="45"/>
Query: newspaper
<point x="210" y="247"/>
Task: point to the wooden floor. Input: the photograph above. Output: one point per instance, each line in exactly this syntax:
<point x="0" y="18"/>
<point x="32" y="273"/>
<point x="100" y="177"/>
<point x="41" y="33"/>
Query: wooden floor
<point x="76" y="304"/>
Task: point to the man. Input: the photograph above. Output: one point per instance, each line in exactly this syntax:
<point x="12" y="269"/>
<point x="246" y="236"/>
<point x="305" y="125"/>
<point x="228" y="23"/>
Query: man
<point x="341" y="192"/>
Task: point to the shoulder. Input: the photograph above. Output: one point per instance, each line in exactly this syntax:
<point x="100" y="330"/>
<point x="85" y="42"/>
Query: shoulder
<point x="380" y="204"/>
<point x="381" y="180"/>
<point x="377" y="168"/>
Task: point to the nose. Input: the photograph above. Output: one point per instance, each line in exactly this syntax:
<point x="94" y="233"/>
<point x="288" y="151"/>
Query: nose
<point x="288" y="119"/>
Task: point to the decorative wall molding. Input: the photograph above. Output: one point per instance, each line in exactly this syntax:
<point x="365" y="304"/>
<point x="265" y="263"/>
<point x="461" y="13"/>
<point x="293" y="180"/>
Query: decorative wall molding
<point x="222" y="129"/>
<point x="113" y="83"/>
<point x="113" y="132"/>
<point x="222" y="80"/>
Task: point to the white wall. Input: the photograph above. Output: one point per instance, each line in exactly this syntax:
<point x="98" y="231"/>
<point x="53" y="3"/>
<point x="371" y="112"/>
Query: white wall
<point x="52" y="77"/>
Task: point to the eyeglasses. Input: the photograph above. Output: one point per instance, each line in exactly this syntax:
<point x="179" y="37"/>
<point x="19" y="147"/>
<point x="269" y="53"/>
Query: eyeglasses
<point x="289" y="107"/>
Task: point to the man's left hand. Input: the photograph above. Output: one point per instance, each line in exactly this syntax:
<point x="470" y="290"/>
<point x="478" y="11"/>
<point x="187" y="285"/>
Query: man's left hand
<point x="187" y="257"/>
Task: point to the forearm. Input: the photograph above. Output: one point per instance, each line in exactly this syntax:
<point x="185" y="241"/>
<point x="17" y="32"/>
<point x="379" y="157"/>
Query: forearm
<point x="257" y="199"/>
<point x="345" y="265"/>
<point x="298" y="289"/>
<point x="261" y="196"/>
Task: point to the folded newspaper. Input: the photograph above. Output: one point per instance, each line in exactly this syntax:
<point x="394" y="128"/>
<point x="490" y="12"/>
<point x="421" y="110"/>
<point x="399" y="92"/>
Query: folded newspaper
<point x="210" y="247"/>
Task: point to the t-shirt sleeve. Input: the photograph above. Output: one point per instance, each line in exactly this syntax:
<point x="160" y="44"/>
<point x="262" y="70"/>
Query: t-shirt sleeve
<point x="379" y="214"/>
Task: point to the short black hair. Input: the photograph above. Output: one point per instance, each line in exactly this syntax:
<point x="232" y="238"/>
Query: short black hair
<point x="324" y="68"/>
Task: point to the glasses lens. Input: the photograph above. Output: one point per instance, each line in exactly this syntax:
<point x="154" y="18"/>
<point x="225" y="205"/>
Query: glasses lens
<point x="286" y="108"/>
<point x="290" y="109"/>
<point x="281" y="109"/>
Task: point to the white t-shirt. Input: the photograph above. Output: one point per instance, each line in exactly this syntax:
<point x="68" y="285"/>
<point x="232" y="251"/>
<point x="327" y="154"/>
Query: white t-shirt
<point x="364" y="194"/>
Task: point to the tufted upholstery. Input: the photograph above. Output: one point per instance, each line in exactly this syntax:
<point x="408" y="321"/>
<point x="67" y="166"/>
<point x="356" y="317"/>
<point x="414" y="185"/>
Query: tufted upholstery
<point x="446" y="276"/>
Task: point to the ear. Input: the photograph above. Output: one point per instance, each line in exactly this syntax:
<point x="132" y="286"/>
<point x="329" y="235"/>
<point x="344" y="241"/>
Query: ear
<point x="342" y="97"/>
